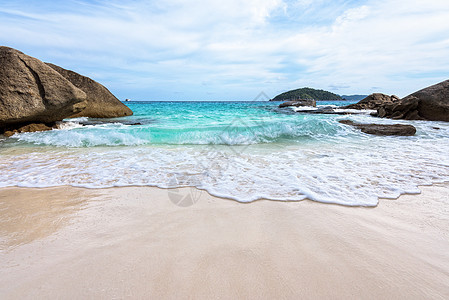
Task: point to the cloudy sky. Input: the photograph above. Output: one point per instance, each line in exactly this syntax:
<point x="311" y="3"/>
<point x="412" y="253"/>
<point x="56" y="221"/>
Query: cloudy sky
<point x="235" y="49"/>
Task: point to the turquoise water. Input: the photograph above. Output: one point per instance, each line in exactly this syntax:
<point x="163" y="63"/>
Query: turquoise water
<point x="184" y="123"/>
<point x="238" y="150"/>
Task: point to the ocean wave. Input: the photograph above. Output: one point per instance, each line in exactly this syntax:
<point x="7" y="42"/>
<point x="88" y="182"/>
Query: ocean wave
<point x="74" y="134"/>
<point x="238" y="154"/>
<point x="355" y="173"/>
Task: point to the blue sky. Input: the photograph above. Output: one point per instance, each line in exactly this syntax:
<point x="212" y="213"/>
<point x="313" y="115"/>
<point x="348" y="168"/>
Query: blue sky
<point x="233" y="49"/>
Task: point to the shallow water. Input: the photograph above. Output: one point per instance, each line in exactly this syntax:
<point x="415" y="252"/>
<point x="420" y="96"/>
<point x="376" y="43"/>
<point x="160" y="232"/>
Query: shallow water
<point x="240" y="150"/>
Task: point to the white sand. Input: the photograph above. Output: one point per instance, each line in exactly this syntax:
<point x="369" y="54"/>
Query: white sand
<point x="135" y="243"/>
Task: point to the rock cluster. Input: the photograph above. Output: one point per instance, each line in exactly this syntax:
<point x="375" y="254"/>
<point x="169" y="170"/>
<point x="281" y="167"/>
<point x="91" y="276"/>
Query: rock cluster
<point x="405" y="109"/>
<point x="32" y="92"/>
<point x="373" y="101"/>
<point x="431" y="103"/>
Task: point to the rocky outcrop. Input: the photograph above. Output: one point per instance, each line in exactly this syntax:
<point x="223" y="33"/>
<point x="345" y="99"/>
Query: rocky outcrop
<point x="383" y="129"/>
<point x="101" y="103"/>
<point x="406" y="109"/>
<point x="431" y="103"/>
<point x="32" y="92"/>
<point x="373" y="101"/>
<point x="298" y="103"/>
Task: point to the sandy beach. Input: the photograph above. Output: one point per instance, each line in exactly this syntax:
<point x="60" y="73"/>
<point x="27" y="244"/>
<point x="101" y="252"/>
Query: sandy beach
<point x="268" y="149"/>
<point x="135" y="242"/>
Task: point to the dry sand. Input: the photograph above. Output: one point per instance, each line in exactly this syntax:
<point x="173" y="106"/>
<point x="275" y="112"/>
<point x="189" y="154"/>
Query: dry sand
<point x="136" y="243"/>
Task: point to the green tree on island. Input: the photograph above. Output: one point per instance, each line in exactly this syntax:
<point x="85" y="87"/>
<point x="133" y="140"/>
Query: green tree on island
<point x="306" y="93"/>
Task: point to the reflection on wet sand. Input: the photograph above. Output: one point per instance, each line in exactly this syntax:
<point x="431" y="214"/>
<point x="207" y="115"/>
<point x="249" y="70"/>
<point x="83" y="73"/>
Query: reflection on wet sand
<point x="31" y="214"/>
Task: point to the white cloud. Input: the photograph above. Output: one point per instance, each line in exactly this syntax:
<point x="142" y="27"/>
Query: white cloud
<point x="351" y="15"/>
<point x="238" y="47"/>
<point x="388" y="47"/>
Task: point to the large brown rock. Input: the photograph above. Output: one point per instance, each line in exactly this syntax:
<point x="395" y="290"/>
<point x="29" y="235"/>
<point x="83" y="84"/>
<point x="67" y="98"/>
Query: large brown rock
<point x="431" y="103"/>
<point x="373" y="101"/>
<point x="382" y="129"/>
<point x="101" y="103"/>
<point x="32" y="92"/>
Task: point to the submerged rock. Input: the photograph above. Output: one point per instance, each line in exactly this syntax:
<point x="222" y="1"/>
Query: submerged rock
<point x="431" y="103"/>
<point x="382" y="129"/>
<point x="298" y="103"/>
<point x="373" y="101"/>
<point x="101" y="103"/>
<point x="332" y="110"/>
<point x="32" y="92"/>
<point x="30" y="128"/>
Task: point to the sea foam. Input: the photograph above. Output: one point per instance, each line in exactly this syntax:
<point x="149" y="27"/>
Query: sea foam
<point x="286" y="157"/>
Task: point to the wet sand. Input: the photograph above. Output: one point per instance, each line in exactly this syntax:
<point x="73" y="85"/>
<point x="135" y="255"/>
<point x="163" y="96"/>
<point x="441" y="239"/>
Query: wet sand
<point x="138" y="242"/>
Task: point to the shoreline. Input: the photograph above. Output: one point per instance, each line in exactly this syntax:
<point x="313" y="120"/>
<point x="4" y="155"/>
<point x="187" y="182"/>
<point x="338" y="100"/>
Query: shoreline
<point x="198" y="190"/>
<point x="135" y="242"/>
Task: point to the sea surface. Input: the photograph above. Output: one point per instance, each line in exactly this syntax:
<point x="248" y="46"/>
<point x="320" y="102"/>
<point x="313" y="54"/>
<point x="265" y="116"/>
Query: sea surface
<point x="238" y="150"/>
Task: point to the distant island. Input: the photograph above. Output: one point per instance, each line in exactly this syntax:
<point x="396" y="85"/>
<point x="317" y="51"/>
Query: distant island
<point x="306" y="94"/>
<point x="314" y="94"/>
